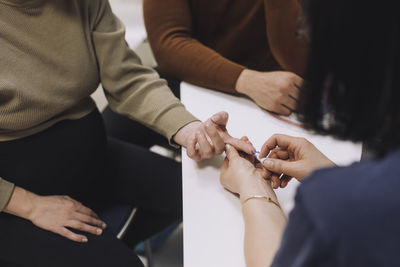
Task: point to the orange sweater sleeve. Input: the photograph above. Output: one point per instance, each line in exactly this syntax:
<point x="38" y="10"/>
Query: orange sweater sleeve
<point x="169" y="28"/>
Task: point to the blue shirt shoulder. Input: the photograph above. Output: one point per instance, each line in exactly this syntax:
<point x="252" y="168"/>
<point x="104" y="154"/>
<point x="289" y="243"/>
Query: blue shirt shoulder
<point x="346" y="216"/>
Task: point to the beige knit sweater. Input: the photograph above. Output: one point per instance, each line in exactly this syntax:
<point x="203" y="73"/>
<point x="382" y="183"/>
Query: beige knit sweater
<point x="54" y="54"/>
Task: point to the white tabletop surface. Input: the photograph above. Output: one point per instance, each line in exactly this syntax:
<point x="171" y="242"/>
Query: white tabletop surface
<point x="213" y="224"/>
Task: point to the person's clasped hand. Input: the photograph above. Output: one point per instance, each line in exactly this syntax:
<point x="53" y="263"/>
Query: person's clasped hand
<point x="276" y="91"/>
<point x="293" y="157"/>
<point x="204" y="140"/>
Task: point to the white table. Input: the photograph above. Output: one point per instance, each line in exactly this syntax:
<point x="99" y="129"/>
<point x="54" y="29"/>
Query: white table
<point x="213" y="224"/>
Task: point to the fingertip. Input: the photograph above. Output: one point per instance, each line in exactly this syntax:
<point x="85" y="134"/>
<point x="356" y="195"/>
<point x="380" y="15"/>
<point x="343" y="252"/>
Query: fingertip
<point x="220" y="117"/>
<point x="244" y="138"/>
<point x="84" y="239"/>
<point x="99" y="231"/>
<point x="268" y="163"/>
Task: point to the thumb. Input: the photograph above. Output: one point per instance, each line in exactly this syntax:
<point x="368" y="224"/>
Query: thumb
<point x="221" y="118"/>
<point x="231" y="152"/>
<point x="281" y="166"/>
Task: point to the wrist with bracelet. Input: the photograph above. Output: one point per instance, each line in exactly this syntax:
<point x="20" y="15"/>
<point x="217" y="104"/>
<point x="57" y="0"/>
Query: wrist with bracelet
<point x="244" y="199"/>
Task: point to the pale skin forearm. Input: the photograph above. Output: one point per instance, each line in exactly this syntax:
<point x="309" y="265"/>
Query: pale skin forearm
<point x="264" y="220"/>
<point x="264" y="224"/>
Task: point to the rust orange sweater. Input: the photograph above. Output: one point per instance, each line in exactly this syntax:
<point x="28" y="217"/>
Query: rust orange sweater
<point x="208" y="42"/>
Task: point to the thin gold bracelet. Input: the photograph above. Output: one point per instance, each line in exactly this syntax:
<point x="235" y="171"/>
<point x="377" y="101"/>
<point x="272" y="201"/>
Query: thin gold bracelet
<point x="262" y="197"/>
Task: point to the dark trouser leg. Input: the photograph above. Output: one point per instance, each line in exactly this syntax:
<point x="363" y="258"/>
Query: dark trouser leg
<point x="67" y="159"/>
<point x="148" y="181"/>
<point x="122" y="128"/>
<point x="24" y="244"/>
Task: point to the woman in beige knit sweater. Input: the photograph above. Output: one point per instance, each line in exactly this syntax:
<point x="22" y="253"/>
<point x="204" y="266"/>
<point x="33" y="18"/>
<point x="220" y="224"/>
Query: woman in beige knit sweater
<point x="55" y="160"/>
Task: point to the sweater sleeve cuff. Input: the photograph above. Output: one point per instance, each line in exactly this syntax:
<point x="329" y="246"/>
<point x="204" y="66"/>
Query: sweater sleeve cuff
<point x="175" y="119"/>
<point x="231" y="72"/>
<point x="6" y="191"/>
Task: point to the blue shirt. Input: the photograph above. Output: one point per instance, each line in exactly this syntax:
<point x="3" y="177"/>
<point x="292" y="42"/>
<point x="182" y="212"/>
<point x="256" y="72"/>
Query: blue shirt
<point x="346" y="217"/>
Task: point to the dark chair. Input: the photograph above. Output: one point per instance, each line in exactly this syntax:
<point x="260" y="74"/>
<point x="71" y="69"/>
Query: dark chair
<point x="119" y="219"/>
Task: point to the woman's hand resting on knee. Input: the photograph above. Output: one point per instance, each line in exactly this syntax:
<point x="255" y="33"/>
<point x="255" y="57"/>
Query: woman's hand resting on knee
<point x="204" y="140"/>
<point x="292" y="157"/>
<point x="55" y="214"/>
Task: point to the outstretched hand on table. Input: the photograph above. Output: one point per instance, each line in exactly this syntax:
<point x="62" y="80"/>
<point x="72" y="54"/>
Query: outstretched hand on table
<point x="203" y="140"/>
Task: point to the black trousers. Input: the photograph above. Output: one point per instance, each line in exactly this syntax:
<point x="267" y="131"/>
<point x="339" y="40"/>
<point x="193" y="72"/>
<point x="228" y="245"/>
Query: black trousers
<point x="75" y="158"/>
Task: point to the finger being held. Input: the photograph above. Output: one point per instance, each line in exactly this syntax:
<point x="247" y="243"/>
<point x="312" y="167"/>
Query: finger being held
<point x="215" y="138"/>
<point x="220" y="120"/>
<point x="240" y="145"/>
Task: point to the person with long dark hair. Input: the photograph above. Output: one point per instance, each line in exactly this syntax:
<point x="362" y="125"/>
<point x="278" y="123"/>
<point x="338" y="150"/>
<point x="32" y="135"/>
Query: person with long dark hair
<point x="343" y="216"/>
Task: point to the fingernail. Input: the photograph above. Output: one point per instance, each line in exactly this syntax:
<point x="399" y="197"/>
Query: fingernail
<point x="216" y="118"/>
<point x="227" y="146"/>
<point x="99" y="231"/>
<point x="104" y="226"/>
<point x="268" y="163"/>
<point x="84" y="240"/>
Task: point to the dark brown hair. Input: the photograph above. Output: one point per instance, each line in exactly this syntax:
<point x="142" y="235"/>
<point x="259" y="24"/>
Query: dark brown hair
<point x="353" y="75"/>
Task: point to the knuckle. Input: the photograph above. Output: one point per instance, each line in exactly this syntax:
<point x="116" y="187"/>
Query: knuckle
<point x="80" y="226"/>
<point x="279" y="166"/>
<point x="276" y="106"/>
<point x="284" y="85"/>
<point x="191" y="153"/>
<point x="206" y="154"/>
<point x="281" y="97"/>
<point x="212" y="132"/>
<point x="94" y="222"/>
<point x="292" y="76"/>
<point x="69" y="204"/>
<point x="72" y="236"/>
<point x="208" y="150"/>
<point x="275" y="135"/>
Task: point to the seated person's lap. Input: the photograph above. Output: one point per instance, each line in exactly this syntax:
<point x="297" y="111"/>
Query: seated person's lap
<point x="28" y="245"/>
<point x="74" y="158"/>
